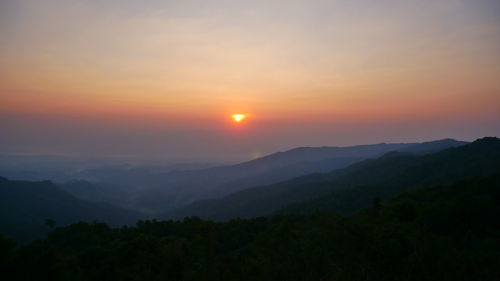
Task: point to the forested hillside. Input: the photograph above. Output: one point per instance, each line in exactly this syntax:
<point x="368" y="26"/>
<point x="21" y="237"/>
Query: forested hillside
<point x="350" y="189"/>
<point x="447" y="232"/>
<point x="175" y="189"/>
<point x="25" y="206"/>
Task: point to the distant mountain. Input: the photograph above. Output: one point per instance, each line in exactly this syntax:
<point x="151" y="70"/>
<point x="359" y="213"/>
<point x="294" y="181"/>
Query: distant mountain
<point x="176" y="189"/>
<point x="352" y="188"/>
<point x="117" y="195"/>
<point x="134" y="175"/>
<point x="25" y="205"/>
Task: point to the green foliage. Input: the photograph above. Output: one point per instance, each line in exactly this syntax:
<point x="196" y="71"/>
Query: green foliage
<point x="448" y="232"/>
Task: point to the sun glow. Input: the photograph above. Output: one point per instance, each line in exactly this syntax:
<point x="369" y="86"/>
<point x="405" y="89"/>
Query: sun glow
<point x="239" y="117"/>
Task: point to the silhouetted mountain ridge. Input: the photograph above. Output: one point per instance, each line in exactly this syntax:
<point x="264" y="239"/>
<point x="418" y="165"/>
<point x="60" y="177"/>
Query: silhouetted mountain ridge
<point x="385" y="176"/>
<point x="25" y="205"/>
<point x="176" y="189"/>
<point x="444" y="232"/>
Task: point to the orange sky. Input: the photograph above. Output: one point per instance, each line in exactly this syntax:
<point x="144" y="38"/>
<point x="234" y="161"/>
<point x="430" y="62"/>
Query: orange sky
<point x="299" y="68"/>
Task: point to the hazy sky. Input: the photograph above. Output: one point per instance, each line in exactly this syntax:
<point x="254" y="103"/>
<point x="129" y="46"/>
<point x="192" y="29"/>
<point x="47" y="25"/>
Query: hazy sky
<point x="160" y="79"/>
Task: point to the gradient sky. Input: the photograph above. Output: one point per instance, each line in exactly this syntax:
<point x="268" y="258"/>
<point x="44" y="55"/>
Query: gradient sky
<point x="159" y="79"/>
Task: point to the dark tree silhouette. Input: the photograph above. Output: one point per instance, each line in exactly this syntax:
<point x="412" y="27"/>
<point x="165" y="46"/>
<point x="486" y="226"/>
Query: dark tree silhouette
<point x="50" y="223"/>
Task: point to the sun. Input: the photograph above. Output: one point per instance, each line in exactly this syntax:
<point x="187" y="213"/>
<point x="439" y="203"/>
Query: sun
<point x="238" y="117"/>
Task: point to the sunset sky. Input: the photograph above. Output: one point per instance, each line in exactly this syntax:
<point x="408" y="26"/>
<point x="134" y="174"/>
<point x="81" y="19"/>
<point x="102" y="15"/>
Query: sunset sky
<point x="161" y="79"/>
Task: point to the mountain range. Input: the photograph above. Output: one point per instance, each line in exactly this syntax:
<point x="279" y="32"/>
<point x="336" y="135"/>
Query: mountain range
<point x="26" y="205"/>
<point x="172" y="190"/>
<point x="444" y="232"/>
<point x="352" y="188"/>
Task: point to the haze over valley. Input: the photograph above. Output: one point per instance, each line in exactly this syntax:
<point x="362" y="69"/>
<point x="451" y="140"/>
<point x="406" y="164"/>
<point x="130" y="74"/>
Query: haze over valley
<point x="339" y="140"/>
